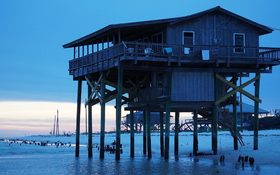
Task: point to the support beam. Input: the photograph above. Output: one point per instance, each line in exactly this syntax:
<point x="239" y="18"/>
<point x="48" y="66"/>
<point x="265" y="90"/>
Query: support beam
<point x="234" y="110"/>
<point x="176" y="136"/>
<point x="144" y="132"/>
<point x="102" y="116"/>
<point x="149" y="145"/>
<point x="215" y="129"/>
<point x="89" y="125"/>
<point x="241" y="107"/>
<point x="256" y="112"/>
<point x="161" y="134"/>
<point x="119" y="112"/>
<point x="167" y="131"/>
<point x="215" y="115"/>
<point x="78" y="115"/>
<point x="131" y="133"/>
<point x="195" y="134"/>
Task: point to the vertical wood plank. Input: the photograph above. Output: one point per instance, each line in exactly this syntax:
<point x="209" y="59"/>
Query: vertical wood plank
<point x="256" y="112"/>
<point x="102" y="117"/>
<point x="176" y="136"/>
<point x="161" y="134"/>
<point x="215" y="130"/>
<point x="215" y="118"/>
<point x="195" y="134"/>
<point x="78" y="115"/>
<point x="89" y="124"/>
<point x="144" y="132"/>
<point x="234" y="110"/>
<point x="131" y="133"/>
<point x="167" y="131"/>
<point x="149" y="145"/>
<point x="118" y="111"/>
<point x="74" y="56"/>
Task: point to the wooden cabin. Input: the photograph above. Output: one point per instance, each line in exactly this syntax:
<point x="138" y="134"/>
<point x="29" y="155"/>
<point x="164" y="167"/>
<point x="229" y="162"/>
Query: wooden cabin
<point x="185" y="64"/>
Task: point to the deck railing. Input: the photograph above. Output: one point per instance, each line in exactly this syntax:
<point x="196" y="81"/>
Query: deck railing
<point x="111" y="56"/>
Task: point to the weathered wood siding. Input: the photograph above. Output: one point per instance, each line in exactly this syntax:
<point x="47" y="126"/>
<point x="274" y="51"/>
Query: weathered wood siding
<point x="192" y="86"/>
<point x="215" y="29"/>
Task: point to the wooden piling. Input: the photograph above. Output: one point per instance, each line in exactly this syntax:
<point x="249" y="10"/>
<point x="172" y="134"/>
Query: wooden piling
<point x="215" y="113"/>
<point x="102" y="116"/>
<point x="176" y="136"/>
<point x="119" y="112"/>
<point x="256" y="112"/>
<point x="89" y="124"/>
<point x="149" y="145"/>
<point x="78" y="115"/>
<point x="195" y="134"/>
<point x="144" y="132"/>
<point x="161" y="135"/>
<point x="215" y="129"/>
<point x="234" y="110"/>
<point x="131" y="133"/>
<point x="167" y="131"/>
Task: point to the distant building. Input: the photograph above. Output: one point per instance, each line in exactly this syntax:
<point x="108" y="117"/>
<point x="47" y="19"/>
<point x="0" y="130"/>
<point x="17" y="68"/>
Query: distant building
<point x="138" y="120"/>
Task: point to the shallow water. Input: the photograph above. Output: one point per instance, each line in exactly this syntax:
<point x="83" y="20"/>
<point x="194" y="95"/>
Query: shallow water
<point x="62" y="162"/>
<point x="32" y="159"/>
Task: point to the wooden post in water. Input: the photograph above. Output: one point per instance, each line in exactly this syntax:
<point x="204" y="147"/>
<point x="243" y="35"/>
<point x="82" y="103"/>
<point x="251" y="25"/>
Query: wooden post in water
<point x="144" y="132"/>
<point x="118" y="111"/>
<point x="89" y="124"/>
<point x="78" y="115"/>
<point x="161" y="135"/>
<point x="176" y="136"/>
<point x="215" y="130"/>
<point x="234" y="110"/>
<point x="214" y="123"/>
<point x="131" y="133"/>
<point x="149" y="145"/>
<point x="167" y="131"/>
<point x="102" y="116"/>
<point x="256" y="112"/>
<point x="195" y="134"/>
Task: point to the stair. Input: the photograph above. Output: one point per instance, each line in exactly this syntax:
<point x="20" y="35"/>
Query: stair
<point x="226" y="121"/>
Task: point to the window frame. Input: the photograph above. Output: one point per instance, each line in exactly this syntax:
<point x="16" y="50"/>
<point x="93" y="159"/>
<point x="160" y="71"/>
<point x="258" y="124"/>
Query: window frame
<point x="183" y="36"/>
<point x="244" y="43"/>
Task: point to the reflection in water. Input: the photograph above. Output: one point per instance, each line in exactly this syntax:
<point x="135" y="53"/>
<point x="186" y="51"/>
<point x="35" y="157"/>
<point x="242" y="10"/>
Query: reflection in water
<point x="67" y="164"/>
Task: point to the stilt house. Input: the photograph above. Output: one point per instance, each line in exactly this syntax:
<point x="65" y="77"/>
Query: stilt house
<point x="185" y="64"/>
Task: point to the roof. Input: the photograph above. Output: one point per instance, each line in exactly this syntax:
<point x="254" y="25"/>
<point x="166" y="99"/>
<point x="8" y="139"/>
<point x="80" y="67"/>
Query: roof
<point x="246" y="108"/>
<point x="261" y="28"/>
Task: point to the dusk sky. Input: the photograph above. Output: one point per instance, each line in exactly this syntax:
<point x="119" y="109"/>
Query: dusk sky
<point x="34" y="79"/>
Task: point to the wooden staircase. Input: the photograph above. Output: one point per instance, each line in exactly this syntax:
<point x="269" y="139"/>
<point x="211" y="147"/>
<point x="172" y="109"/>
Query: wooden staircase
<point x="225" y="120"/>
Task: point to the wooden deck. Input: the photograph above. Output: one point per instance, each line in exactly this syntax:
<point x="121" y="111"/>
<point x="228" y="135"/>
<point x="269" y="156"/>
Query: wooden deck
<point x="174" y="55"/>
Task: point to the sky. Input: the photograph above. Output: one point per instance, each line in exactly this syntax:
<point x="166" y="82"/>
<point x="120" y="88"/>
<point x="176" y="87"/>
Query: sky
<point x="34" y="79"/>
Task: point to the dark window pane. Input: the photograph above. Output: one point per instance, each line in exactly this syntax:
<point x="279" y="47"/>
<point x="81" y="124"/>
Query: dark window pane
<point x="188" y="38"/>
<point x="239" y="43"/>
<point x="188" y="34"/>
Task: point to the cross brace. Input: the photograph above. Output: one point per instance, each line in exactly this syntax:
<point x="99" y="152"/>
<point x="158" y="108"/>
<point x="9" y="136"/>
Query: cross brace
<point x="95" y="88"/>
<point x="237" y="89"/>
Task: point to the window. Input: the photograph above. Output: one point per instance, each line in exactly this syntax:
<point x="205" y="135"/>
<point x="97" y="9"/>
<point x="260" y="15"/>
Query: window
<point x="188" y="38"/>
<point x="188" y="42"/>
<point x="238" y="42"/>
<point x="157" y="38"/>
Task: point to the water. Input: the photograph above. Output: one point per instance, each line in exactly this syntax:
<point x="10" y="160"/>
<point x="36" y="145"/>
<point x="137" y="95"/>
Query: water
<point x="32" y="159"/>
